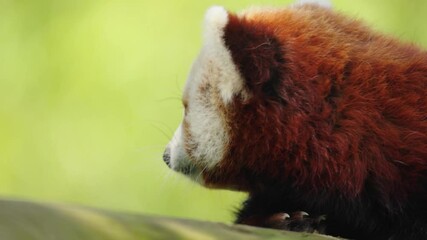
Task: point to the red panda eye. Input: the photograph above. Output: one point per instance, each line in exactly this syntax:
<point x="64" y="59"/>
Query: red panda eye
<point x="185" y="109"/>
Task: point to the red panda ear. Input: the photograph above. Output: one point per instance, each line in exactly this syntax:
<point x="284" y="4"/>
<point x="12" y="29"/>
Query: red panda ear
<point x="258" y="55"/>
<point x="217" y="56"/>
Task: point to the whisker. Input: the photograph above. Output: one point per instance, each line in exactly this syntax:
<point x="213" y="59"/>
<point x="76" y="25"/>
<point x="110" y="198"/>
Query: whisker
<point x="169" y="178"/>
<point x="162" y="131"/>
<point x="177" y="98"/>
<point x="166" y="126"/>
<point x="178" y="86"/>
<point x="149" y="147"/>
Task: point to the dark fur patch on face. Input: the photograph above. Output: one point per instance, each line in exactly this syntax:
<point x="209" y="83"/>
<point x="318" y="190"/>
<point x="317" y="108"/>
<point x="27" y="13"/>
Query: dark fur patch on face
<point x="257" y="54"/>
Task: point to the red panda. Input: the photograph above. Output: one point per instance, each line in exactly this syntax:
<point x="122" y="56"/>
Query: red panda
<point x="308" y="110"/>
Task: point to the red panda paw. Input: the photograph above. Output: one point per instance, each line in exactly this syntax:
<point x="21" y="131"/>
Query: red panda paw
<point x="297" y="221"/>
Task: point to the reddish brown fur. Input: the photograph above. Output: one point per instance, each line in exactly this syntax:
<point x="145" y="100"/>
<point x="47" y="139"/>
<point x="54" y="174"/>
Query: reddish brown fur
<point x="339" y="104"/>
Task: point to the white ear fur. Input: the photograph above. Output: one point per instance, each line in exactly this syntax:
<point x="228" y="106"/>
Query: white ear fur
<point x="216" y="18"/>
<point x="228" y="77"/>
<point x="322" y="3"/>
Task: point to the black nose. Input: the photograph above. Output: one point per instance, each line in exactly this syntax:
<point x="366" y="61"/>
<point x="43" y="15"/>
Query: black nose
<point x="167" y="157"/>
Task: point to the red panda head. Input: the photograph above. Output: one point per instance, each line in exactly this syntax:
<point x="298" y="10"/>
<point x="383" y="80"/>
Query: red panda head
<point x="249" y="97"/>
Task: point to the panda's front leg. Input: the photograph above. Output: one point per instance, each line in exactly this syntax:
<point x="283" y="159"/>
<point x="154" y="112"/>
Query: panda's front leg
<point x="261" y="212"/>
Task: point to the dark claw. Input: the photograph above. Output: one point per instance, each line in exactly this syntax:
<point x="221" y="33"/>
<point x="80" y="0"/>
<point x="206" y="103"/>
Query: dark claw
<point x="297" y="221"/>
<point x="299" y="215"/>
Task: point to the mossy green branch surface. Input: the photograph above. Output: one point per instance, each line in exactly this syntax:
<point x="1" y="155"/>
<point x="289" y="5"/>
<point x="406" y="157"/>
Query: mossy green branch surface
<point x="22" y="220"/>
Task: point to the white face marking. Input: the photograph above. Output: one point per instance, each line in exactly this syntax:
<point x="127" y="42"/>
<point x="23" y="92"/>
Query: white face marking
<point x="215" y="72"/>
<point x="179" y="160"/>
<point x="206" y="125"/>
<point x="176" y="149"/>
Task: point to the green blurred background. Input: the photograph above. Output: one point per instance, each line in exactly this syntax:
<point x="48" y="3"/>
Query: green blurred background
<point x="90" y="94"/>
